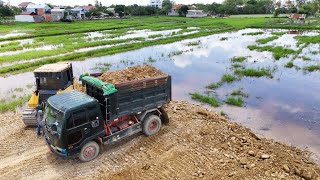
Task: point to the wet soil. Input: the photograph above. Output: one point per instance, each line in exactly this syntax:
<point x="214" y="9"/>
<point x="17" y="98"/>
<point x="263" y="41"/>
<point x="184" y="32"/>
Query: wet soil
<point x="197" y="143"/>
<point x="131" y="73"/>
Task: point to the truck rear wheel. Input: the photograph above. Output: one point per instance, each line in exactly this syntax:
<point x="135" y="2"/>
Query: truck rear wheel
<point x="89" y="151"/>
<point x="151" y="125"/>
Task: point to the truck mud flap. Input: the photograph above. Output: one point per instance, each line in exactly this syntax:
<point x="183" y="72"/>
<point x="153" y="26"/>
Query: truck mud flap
<point x="123" y="133"/>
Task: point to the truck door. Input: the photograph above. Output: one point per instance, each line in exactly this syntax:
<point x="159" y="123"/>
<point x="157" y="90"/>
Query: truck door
<point x="95" y="119"/>
<point x="78" y="128"/>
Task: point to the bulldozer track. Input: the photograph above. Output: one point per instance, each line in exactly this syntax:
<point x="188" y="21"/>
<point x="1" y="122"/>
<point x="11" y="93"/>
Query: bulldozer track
<point x="190" y="147"/>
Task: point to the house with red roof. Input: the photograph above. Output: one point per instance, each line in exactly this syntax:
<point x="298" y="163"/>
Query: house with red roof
<point x="24" y="4"/>
<point x="297" y="18"/>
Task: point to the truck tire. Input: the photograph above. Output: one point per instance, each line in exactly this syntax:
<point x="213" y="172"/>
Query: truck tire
<point x="151" y="125"/>
<point x="89" y="151"/>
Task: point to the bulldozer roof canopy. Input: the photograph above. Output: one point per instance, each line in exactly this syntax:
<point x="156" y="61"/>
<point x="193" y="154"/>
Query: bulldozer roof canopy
<point x="57" y="67"/>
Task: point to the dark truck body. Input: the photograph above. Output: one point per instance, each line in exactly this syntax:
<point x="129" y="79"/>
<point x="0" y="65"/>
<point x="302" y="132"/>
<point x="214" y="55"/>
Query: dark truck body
<point x="119" y="114"/>
<point x="132" y="97"/>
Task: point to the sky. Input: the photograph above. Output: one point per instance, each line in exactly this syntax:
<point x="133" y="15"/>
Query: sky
<point x="104" y="2"/>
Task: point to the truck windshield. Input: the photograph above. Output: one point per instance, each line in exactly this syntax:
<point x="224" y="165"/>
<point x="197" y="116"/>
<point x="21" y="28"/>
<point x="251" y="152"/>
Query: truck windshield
<point x="53" y="119"/>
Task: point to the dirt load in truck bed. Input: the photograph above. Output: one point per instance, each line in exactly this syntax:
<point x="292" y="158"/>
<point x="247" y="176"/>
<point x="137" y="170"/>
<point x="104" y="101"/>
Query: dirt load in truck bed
<point x="197" y="143"/>
<point x="130" y="74"/>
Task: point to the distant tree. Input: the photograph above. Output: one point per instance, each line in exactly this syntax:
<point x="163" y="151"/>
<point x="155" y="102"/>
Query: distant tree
<point x="166" y="7"/>
<point x="6" y="11"/>
<point x="183" y="10"/>
<point x="120" y="9"/>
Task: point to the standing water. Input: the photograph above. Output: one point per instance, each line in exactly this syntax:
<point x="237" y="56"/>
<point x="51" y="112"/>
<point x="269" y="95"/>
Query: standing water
<point x="285" y="107"/>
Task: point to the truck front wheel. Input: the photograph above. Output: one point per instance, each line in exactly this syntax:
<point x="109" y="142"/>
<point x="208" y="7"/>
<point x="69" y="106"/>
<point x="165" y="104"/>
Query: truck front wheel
<point x="89" y="151"/>
<point x="151" y="125"/>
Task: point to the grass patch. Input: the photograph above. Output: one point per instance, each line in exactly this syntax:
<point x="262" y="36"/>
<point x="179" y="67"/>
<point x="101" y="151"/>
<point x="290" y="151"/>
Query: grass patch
<point x="312" y="68"/>
<point x="254" y="72"/>
<point x="289" y="65"/>
<point x="239" y="59"/>
<point x="305" y="58"/>
<point x="155" y="36"/>
<point x="13" y="104"/>
<point x="205" y="99"/>
<point x="151" y="60"/>
<point x="18" y="89"/>
<point x="226" y="78"/>
<point x="235" y="101"/>
<point x="239" y="92"/>
<point x="278" y="51"/>
<point x="237" y="66"/>
<point x="314" y="52"/>
<point x="308" y="39"/>
<point x="253" y="33"/>
<point x="266" y="40"/>
<point x="194" y="43"/>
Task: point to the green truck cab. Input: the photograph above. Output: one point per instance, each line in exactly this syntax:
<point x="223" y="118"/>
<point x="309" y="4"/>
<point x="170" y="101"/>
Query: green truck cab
<point x="77" y="123"/>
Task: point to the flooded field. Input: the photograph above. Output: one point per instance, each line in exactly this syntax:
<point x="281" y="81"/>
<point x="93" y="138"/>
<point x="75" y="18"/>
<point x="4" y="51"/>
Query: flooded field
<point x="283" y="103"/>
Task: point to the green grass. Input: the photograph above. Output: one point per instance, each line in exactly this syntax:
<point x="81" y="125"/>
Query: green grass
<point x="308" y="39"/>
<point x="18" y="89"/>
<point x="266" y="40"/>
<point x="289" y="64"/>
<point x="237" y="66"/>
<point x="205" y="99"/>
<point x="155" y="36"/>
<point x="226" y="78"/>
<point x="253" y="33"/>
<point x="314" y="52"/>
<point x="235" y="101"/>
<point x="254" y="72"/>
<point x="151" y="60"/>
<point x="278" y="51"/>
<point x="312" y="68"/>
<point x="239" y="92"/>
<point x="239" y="59"/>
<point x="13" y="104"/>
<point x="194" y="43"/>
<point x="305" y="58"/>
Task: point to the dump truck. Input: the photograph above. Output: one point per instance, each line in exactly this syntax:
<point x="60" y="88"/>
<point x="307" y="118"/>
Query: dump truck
<point x="51" y="79"/>
<point x="78" y="124"/>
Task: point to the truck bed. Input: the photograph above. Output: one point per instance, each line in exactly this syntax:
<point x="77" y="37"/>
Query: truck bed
<point x="132" y="96"/>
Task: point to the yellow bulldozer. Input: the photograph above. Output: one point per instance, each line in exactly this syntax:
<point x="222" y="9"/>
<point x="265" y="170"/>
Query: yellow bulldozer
<point x="51" y="79"/>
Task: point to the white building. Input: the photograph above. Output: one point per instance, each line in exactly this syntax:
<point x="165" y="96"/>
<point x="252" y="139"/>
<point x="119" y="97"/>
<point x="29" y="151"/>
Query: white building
<point x="156" y="3"/>
<point x="196" y="14"/>
<point x="57" y="14"/>
<point x="39" y="9"/>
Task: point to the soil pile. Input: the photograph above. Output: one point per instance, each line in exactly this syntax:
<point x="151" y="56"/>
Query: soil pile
<point x="130" y="74"/>
<point x="197" y="143"/>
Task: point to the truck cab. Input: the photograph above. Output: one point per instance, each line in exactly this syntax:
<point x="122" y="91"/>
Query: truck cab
<point x="72" y="120"/>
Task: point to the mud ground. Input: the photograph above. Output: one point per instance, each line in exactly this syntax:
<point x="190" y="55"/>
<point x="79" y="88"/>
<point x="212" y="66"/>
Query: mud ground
<point x="197" y="144"/>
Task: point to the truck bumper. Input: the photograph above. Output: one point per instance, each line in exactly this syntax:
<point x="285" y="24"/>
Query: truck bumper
<point x="57" y="152"/>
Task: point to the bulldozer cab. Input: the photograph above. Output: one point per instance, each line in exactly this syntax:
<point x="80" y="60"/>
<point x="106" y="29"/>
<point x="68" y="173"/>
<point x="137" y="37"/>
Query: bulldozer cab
<point x="54" y="76"/>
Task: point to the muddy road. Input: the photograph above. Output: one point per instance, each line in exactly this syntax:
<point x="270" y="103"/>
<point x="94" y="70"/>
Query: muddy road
<point x="197" y="144"/>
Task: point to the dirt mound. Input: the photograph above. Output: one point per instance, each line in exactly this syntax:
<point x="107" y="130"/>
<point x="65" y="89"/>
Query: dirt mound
<point x="130" y="74"/>
<point x="196" y="144"/>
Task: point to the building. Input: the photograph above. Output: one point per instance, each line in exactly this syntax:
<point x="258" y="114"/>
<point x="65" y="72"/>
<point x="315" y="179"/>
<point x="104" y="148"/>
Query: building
<point x="24" y="4"/>
<point x="196" y="14"/>
<point x="35" y="13"/>
<point x="156" y="3"/>
<point x="38" y="9"/>
<point x="88" y="8"/>
<point x="77" y="13"/>
<point x="297" y="18"/>
<point x="58" y="14"/>
<point x="174" y="10"/>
